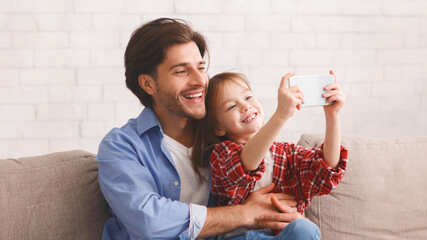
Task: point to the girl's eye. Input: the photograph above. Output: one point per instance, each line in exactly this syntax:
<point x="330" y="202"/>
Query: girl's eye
<point x="248" y="97"/>
<point x="231" y="107"/>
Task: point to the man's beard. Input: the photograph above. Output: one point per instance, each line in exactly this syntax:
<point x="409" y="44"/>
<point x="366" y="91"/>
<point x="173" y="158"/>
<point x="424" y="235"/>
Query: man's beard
<point x="172" y="103"/>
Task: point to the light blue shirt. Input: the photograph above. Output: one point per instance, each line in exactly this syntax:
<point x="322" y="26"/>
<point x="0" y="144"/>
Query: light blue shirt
<point x="141" y="185"/>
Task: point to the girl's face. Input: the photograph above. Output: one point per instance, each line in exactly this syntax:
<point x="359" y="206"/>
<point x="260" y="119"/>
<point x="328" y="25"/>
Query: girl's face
<point x="238" y="113"/>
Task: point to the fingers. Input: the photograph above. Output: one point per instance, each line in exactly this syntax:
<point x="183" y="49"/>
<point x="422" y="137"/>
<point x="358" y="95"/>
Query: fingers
<point x="335" y="98"/>
<point x="282" y="196"/>
<point x="273" y="225"/>
<point x="280" y="217"/>
<point x="285" y="80"/>
<point x="331" y="86"/>
<point x="289" y="97"/>
<point x="332" y="73"/>
<point x="284" y="206"/>
<point x="334" y="95"/>
<point x="288" y="206"/>
<point x="286" y="214"/>
<point x="278" y="221"/>
<point x="333" y="89"/>
<point x="331" y="93"/>
<point x="297" y="94"/>
<point x="295" y="90"/>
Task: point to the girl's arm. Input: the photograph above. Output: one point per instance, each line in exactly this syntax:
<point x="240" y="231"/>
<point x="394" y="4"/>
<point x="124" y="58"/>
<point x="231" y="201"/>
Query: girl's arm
<point x="254" y="151"/>
<point x="256" y="148"/>
<point x="332" y="142"/>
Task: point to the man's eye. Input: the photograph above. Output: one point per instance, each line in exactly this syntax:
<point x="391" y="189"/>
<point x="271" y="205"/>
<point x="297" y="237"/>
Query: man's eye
<point x="202" y="68"/>
<point x="180" y="72"/>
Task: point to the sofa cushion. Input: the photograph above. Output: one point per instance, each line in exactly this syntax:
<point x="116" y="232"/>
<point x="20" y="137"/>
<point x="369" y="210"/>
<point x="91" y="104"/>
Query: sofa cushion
<point x="383" y="194"/>
<point x="55" y="196"/>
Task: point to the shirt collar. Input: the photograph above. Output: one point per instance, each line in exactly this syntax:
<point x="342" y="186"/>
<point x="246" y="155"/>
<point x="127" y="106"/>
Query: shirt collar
<point x="147" y="120"/>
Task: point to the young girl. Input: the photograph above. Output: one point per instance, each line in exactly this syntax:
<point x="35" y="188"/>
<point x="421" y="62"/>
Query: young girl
<point x="243" y="154"/>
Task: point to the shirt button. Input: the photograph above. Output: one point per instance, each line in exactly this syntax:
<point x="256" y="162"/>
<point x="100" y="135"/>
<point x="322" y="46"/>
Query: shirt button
<point x="175" y="183"/>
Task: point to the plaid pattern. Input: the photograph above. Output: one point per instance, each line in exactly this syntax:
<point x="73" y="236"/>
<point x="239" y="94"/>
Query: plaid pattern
<point x="297" y="171"/>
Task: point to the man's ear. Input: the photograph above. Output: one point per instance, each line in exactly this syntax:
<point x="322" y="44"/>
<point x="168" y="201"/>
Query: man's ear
<point x="146" y="82"/>
<point x="219" y="132"/>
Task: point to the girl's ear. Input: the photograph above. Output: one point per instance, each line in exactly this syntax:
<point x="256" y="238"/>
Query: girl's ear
<point x="219" y="132"/>
<point x="147" y="83"/>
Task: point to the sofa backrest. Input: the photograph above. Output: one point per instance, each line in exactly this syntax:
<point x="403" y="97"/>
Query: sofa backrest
<point x="55" y="196"/>
<point x="383" y="194"/>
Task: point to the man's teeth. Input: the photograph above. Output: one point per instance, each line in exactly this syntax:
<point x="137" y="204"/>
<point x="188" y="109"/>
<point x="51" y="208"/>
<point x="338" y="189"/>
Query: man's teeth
<point x="193" y="95"/>
<point x="250" y="118"/>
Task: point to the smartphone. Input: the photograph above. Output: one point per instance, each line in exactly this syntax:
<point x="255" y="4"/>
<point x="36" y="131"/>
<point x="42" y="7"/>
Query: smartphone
<point x="312" y="86"/>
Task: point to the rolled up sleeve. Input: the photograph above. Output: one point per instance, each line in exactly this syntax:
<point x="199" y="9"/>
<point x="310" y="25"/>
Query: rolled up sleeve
<point x="308" y="174"/>
<point x="197" y="220"/>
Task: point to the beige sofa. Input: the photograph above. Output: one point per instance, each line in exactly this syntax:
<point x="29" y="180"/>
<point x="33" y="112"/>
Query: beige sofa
<point x="382" y="196"/>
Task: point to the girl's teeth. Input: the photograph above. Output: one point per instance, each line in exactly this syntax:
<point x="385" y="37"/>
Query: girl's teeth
<point x="250" y="118"/>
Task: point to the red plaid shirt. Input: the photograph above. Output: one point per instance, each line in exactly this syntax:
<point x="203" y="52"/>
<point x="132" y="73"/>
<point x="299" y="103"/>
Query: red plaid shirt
<point x="297" y="171"/>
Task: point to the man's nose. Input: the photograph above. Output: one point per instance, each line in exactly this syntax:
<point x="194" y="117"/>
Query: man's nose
<point x="198" y="77"/>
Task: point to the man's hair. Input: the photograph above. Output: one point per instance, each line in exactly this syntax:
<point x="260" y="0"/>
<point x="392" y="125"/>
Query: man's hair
<point x="147" y="48"/>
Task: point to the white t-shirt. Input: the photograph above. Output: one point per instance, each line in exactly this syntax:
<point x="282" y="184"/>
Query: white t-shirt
<point x="192" y="191"/>
<point x="267" y="176"/>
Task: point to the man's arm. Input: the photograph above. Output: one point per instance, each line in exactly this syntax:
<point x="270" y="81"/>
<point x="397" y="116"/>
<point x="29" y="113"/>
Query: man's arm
<point x="141" y="208"/>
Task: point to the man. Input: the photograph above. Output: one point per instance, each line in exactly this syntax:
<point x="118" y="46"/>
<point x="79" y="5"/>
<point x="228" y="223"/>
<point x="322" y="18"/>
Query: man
<point x="153" y="189"/>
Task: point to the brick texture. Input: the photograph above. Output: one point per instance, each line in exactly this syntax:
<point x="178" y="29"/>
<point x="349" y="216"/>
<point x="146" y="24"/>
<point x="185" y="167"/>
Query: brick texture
<point x="62" y="76"/>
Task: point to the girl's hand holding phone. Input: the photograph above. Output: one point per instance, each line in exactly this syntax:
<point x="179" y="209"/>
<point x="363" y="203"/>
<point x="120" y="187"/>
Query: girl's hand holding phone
<point x="289" y="98"/>
<point x="335" y="96"/>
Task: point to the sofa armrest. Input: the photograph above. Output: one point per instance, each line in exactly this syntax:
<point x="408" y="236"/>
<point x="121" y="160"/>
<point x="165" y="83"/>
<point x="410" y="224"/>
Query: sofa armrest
<point x="55" y="196"/>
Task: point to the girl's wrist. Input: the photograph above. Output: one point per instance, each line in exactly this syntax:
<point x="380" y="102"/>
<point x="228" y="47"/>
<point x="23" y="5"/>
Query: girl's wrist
<point x="332" y="119"/>
<point x="279" y="118"/>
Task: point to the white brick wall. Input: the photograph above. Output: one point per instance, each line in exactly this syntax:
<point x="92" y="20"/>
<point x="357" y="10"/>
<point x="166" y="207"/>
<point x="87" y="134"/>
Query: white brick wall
<point x="62" y="77"/>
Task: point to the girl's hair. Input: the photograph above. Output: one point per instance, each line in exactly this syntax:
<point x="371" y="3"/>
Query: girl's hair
<point x="205" y="137"/>
<point x="147" y="48"/>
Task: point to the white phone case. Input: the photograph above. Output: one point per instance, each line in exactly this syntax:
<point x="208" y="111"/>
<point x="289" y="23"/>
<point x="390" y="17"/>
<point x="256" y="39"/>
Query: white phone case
<point x="312" y="86"/>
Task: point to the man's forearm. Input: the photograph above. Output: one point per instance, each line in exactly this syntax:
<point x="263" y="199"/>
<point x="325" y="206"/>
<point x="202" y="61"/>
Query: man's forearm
<point x="223" y="219"/>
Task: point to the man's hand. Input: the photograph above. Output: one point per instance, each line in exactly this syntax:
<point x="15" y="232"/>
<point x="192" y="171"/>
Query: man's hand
<point x="277" y="210"/>
<point x="270" y="210"/>
<point x="286" y="213"/>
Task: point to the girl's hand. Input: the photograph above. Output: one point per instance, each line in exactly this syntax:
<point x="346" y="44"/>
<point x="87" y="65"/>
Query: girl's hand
<point x="289" y="98"/>
<point x="335" y="96"/>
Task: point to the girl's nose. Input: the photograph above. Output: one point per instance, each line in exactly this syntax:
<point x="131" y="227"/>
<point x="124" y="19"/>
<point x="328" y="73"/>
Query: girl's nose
<point x="245" y="108"/>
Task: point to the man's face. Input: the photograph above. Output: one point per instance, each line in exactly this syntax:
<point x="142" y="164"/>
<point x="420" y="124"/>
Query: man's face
<point x="181" y="82"/>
